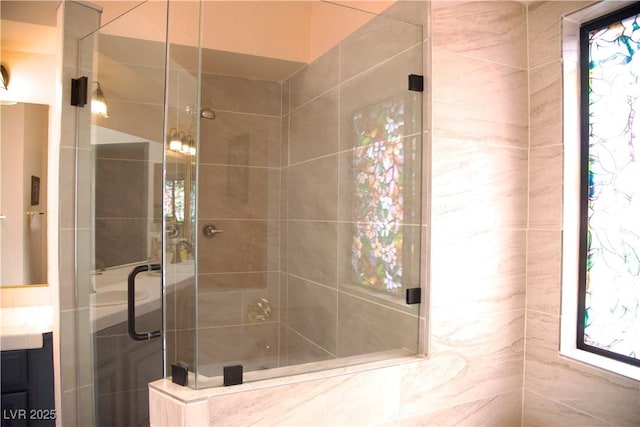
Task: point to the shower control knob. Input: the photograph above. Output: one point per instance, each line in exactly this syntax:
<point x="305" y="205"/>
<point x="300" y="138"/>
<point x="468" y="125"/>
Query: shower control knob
<point x="210" y="230"/>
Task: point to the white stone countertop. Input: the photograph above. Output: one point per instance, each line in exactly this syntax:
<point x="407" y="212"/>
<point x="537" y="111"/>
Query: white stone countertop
<point x="21" y="328"/>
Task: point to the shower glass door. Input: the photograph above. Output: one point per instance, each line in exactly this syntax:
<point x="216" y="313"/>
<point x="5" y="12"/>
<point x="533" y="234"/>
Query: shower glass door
<point x="120" y="190"/>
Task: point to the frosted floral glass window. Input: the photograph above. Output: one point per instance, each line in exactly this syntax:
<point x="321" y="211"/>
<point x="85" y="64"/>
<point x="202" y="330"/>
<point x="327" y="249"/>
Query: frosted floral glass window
<point x="609" y="320"/>
<point x="378" y="174"/>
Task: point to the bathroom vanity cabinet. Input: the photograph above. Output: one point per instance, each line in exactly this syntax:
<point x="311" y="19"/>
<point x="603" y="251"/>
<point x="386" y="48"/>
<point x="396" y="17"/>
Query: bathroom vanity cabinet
<point x="27" y="386"/>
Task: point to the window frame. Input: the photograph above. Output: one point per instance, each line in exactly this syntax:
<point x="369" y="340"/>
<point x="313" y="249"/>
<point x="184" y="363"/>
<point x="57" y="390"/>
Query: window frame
<point x="585" y="29"/>
<point x="572" y="189"/>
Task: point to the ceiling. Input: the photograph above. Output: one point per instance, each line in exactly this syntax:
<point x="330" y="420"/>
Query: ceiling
<point x="277" y="26"/>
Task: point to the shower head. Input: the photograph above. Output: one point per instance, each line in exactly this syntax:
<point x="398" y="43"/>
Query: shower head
<point x="206" y="113"/>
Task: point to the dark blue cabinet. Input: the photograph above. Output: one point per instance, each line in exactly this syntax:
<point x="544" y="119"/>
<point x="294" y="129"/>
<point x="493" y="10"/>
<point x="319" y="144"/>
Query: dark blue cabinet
<point x="27" y="386"/>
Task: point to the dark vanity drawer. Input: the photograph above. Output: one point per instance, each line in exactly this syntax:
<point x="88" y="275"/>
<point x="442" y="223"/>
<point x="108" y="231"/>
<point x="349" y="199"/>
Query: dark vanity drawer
<point x="14" y="368"/>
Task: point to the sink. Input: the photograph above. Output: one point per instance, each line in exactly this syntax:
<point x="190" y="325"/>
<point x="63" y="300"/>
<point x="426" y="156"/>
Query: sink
<point x="114" y="297"/>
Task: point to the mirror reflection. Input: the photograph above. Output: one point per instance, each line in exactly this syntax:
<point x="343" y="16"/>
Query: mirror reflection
<point x="23" y="194"/>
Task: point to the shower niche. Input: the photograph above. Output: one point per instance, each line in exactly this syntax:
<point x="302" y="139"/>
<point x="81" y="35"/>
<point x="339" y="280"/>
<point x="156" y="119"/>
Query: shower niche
<point x="281" y="190"/>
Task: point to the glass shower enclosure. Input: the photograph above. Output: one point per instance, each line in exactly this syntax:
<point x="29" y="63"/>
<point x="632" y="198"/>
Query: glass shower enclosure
<point x="254" y="193"/>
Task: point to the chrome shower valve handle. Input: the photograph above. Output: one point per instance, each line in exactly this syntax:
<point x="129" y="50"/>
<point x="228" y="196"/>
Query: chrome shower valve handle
<point x="210" y="230"/>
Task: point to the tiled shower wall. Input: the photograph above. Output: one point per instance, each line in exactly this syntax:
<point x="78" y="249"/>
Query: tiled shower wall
<point x="239" y="193"/>
<point x="558" y="391"/>
<point x="266" y="208"/>
<point x="321" y="320"/>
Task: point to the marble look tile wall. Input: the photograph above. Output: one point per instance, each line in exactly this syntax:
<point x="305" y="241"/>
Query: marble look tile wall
<point x="478" y="207"/>
<point x="558" y="390"/>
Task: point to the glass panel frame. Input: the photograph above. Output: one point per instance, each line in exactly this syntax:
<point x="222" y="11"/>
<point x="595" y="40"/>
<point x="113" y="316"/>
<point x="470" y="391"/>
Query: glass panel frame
<point x="598" y="249"/>
<point x="233" y="295"/>
<point x="119" y="192"/>
<point x="182" y="109"/>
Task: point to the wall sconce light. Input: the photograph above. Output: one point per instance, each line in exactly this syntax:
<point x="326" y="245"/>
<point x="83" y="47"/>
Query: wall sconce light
<point x="188" y="146"/>
<point x="99" y="103"/>
<point x="4" y="86"/>
<point x="175" y="140"/>
<point x="180" y="143"/>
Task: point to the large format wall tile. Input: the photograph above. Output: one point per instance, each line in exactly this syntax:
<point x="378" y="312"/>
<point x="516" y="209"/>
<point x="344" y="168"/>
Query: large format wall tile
<point x="314" y="79"/>
<point x="544" y="265"/>
<point x="284" y="141"/>
<point x="300" y="349"/>
<point x="311" y="250"/>
<point x="539" y="411"/>
<point x="240" y="139"/>
<point x="492" y="30"/>
<point x="462" y="94"/>
<point x="366" y="327"/>
<point x="67" y="180"/>
<point x="501" y="410"/>
<point x="544" y="29"/>
<point x="545" y="86"/>
<point x="545" y="189"/>
<point x="236" y="192"/>
<point x="242" y="95"/>
<point x="363" y="98"/>
<point x="243" y="245"/>
<point x="84" y="188"/>
<point x="253" y="346"/>
<point x="472" y="357"/>
<point x="313" y="190"/>
<point x="484" y="336"/>
<point x="312" y="312"/>
<point x="372" y="399"/>
<point x="121" y="182"/>
<point x="375" y="42"/>
<point x="478" y="186"/>
<point x="246" y="281"/>
<point x="483" y="271"/>
<point x="599" y="393"/>
<point x="453" y="378"/>
<point x="121" y="241"/>
<point x="165" y="411"/>
<point x="313" y="128"/>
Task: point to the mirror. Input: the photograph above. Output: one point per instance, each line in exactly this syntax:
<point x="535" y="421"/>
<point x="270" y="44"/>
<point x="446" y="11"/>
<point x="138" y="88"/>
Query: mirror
<point x="23" y="194"/>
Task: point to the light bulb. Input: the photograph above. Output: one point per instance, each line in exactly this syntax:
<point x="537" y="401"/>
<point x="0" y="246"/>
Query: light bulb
<point x="175" y="145"/>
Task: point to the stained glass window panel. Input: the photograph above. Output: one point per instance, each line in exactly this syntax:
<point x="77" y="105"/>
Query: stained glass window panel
<point x="378" y="175"/>
<point x="609" y="320"/>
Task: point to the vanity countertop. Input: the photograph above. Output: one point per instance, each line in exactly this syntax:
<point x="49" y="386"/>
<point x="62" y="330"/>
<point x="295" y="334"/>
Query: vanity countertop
<point x="21" y="328"/>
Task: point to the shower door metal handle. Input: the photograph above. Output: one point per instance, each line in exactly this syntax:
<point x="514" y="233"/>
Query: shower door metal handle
<point x="131" y="303"/>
